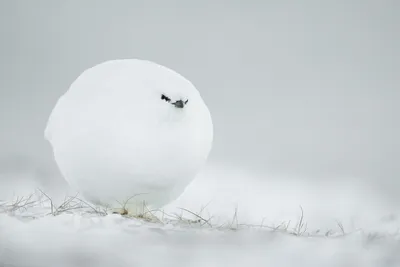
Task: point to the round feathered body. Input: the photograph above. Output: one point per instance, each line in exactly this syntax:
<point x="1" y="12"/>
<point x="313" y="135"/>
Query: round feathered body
<point x="130" y="129"/>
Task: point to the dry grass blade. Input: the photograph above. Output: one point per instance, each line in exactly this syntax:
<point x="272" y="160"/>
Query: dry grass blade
<point x="235" y="219"/>
<point x="301" y="227"/>
<point x="198" y="216"/>
<point x="96" y="211"/>
<point x="152" y="216"/>
<point x="341" y="227"/>
<point x="123" y="204"/>
<point x="51" y="201"/>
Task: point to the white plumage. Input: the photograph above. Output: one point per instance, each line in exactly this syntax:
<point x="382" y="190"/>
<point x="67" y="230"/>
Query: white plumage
<point x="130" y="127"/>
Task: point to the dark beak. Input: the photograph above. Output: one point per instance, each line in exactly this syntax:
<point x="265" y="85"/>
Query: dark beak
<point x="179" y="104"/>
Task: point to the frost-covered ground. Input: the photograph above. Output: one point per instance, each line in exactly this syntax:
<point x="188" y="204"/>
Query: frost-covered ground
<point x="227" y="217"/>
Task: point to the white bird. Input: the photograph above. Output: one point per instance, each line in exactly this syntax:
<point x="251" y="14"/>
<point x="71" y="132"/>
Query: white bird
<point x="130" y="129"/>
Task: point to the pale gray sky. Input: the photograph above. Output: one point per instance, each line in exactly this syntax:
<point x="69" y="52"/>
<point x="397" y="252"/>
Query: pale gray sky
<point x="299" y="87"/>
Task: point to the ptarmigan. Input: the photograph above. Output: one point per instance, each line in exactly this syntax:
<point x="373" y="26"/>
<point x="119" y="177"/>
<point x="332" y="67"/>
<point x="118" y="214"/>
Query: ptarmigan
<point x="130" y="130"/>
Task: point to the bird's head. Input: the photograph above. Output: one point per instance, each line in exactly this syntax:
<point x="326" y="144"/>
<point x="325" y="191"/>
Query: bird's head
<point x="178" y="103"/>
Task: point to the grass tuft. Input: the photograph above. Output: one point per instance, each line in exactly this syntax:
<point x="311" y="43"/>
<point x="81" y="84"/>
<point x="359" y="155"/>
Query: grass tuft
<point x="75" y="205"/>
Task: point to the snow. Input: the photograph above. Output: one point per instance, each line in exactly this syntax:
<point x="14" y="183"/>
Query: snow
<point x="114" y="241"/>
<point x="254" y="236"/>
<point x="116" y="133"/>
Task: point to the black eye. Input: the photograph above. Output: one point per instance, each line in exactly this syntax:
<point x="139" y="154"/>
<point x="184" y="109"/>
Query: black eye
<point x="166" y="98"/>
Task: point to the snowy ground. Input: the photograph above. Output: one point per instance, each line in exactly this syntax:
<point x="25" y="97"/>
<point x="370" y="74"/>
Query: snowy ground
<point x="227" y="217"/>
